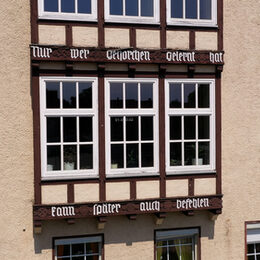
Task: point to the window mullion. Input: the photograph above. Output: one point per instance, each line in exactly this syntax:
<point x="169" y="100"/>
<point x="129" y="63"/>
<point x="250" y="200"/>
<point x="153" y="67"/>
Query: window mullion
<point x="78" y="142"/>
<point x="197" y="137"/>
<point x="139" y="142"/>
<point x="198" y="10"/>
<point x="76" y="6"/>
<point x="59" y="6"/>
<point x="61" y="141"/>
<point x="139" y="8"/>
<point x="184" y="10"/>
<point x="124" y="140"/>
<point x="124" y="5"/>
<point x="182" y="140"/>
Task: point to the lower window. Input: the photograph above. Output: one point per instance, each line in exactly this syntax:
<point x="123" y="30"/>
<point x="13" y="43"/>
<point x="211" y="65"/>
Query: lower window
<point x="178" y="244"/>
<point x="253" y="241"/>
<point x="82" y="248"/>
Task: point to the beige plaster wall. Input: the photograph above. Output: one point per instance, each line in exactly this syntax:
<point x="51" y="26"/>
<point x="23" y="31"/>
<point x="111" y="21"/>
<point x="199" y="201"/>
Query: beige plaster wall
<point x="147" y="189"/>
<point x="148" y="39"/>
<point x="205" y="186"/>
<point x="177" y="188"/>
<point x="206" y="40"/>
<point x="52" y="34"/>
<point x="118" y="191"/>
<point x="86" y="192"/>
<point x="178" y="40"/>
<point x="52" y="194"/>
<point x="84" y="36"/>
<point x="117" y="37"/>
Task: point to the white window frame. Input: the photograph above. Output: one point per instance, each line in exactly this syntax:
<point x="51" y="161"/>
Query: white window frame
<point x="133" y="19"/>
<point x="141" y="171"/>
<point x="190" y="169"/>
<point x="67" y="16"/>
<point x="193" y="22"/>
<point x="60" y="112"/>
<point x="253" y="237"/>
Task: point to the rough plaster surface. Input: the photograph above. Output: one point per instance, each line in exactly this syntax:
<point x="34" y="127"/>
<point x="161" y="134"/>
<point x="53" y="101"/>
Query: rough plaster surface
<point x="178" y="40"/>
<point x="84" y="36"/>
<point x="147" y="189"/>
<point x="206" y="41"/>
<point x="86" y="192"/>
<point x="117" y="37"/>
<point x="118" y="191"/>
<point x="205" y="186"/>
<point x="148" y="39"/>
<point x="52" y="194"/>
<point x="52" y="34"/>
<point x="177" y="188"/>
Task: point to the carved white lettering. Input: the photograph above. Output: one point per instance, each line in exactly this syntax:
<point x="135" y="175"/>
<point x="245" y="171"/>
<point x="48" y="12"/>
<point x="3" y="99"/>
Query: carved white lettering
<point x="150" y="206"/>
<point x="216" y="57"/>
<point x="81" y="54"/>
<point x="180" y="56"/>
<point x="65" y="211"/>
<point x="192" y="203"/>
<point x="106" y="208"/>
<point x="41" y="52"/>
<point x="122" y="55"/>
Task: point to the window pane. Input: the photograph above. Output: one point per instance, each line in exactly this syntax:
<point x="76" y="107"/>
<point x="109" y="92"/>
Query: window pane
<point x="132" y="155"/>
<point x="251" y="258"/>
<point x="132" y="128"/>
<point x="51" y="6"/>
<point x="77" y="249"/>
<point x="85" y="95"/>
<point x="69" y="129"/>
<point x="175" y="154"/>
<point x="175" y="127"/>
<point x="53" y="158"/>
<point x="203" y="127"/>
<point x="68" y="6"/>
<point x="70" y="157"/>
<point x="92" y="248"/>
<point x="52" y="95"/>
<point x="116" y="7"/>
<point x="146" y="95"/>
<point x="250" y="248"/>
<point x="117" y="156"/>
<point x="85" y="129"/>
<point x="175" y="95"/>
<point x="191" y="9"/>
<point x="94" y="257"/>
<point x="53" y="129"/>
<point x="63" y="250"/>
<point x="147" y="128"/>
<point x="186" y="252"/>
<point x="257" y="246"/>
<point x="174" y="253"/>
<point x="86" y="156"/>
<point x="203" y="153"/>
<point x="131" y="93"/>
<point x="162" y="253"/>
<point x="205" y="9"/>
<point x="189" y="95"/>
<point x="147" y="155"/>
<point x="203" y="96"/>
<point x="116" y="95"/>
<point x="147" y="7"/>
<point x="116" y="128"/>
<point x="189" y="127"/>
<point x="69" y="94"/>
<point x="189" y="153"/>
<point x="131" y="7"/>
<point x="177" y="8"/>
<point x="84" y="6"/>
<point x="258" y="257"/>
<point x="186" y="240"/>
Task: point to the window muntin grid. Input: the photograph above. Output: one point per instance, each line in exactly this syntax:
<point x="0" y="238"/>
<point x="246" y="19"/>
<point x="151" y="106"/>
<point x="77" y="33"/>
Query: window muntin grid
<point x="253" y="251"/>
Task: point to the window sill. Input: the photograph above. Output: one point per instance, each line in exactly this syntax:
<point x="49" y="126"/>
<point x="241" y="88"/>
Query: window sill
<point x="69" y="177"/>
<point x="127" y="175"/>
<point x="171" y="173"/>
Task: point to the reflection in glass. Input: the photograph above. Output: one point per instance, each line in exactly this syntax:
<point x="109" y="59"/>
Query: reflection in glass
<point x="63" y="250"/>
<point x="162" y="253"/>
<point x="69" y="129"/>
<point x="175" y="127"/>
<point x="189" y="95"/>
<point x="86" y="156"/>
<point x="186" y="252"/>
<point x="69" y="94"/>
<point x="203" y="123"/>
<point x="77" y="249"/>
<point x="174" y="253"/>
<point x="85" y="129"/>
<point x="117" y="156"/>
<point x="189" y="153"/>
<point x="146" y="95"/>
<point x="85" y="95"/>
<point x="257" y="247"/>
<point x="70" y="157"/>
<point x="51" y="6"/>
<point x="251" y="257"/>
<point x="203" y="96"/>
<point x="92" y="248"/>
<point x="132" y="155"/>
<point x="116" y="128"/>
<point x="94" y="257"/>
<point x="53" y="129"/>
<point x="116" y="95"/>
<point x="146" y="128"/>
<point x="175" y="154"/>
<point x="52" y="95"/>
<point x="147" y="8"/>
<point x="116" y="7"/>
<point x="191" y="9"/>
<point x="250" y="248"/>
<point x="53" y="158"/>
<point x="147" y="155"/>
<point x="203" y="153"/>
<point x="175" y="95"/>
<point x="205" y="9"/>
<point x="189" y="127"/>
<point x="132" y="128"/>
<point x="131" y="95"/>
<point x="68" y="6"/>
<point x="131" y="7"/>
<point x="177" y="8"/>
<point x="84" y="6"/>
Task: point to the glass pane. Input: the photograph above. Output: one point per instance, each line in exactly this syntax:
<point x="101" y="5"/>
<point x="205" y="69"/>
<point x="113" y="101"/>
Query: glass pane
<point x="257" y="246"/>
<point x="162" y="253"/>
<point x="189" y="153"/>
<point x="203" y="122"/>
<point x="147" y="155"/>
<point x="51" y="6"/>
<point x="116" y="95"/>
<point x="132" y="155"/>
<point x="251" y="257"/>
<point x="78" y="258"/>
<point x="146" y="95"/>
<point x="86" y="156"/>
<point x="186" y="252"/>
<point x="186" y="240"/>
<point x="53" y="158"/>
<point x="92" y="248"/>
<point x="177" y="8"/>
<point x="116" y="128"/>
<point x="258" y="257"/>
<point x="84" y="6"/>
<point x="69" y="94"/>
<point x="116" y="7"/>
<point x="203" y="153"/>
<point x="93" y="257"/>
<point x="70" y="157"/>
<point x="189" y="95"/>
<point x="63" y="250"/>
<point x="191" y="9"/>
<point x="146" y="128"/>
<point x="69" y="129"/>
<point x="205" y="9"/>
<point x="203" y="96"/>
<point x="53" y="129"/>
<point x="85" y="95"/>
<point x="175" y="95"/>
<point x="147" y="8"/>
<point x="132" y="128"/>
<point x="85" y="129"/>
<point x="189" y="127"/>
<point x="175" y="127"/>
<point x="77" y="249"/>
<point x="117" y="156"/>
<point x="174" y="253"/>
<point x="131" y="7"/>
<point x="52" y="95"/>
<point x="68" y="6"/>
<point x="131" y="95"/>
<point x="250" y="248"/>
<point x="175" y="154"/>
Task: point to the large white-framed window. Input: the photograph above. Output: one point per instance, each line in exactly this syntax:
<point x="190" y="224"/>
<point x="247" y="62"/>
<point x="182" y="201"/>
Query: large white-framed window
<point x="69" y="127"/>
<point x="253" y="241"/>
<point x="192" y="12"/>
<point x="132" y="11"/>
<point x="78" y="10"/>
<point x="131" y="126"/>
<point x="190" y="125"/>
<point x="78" y="248"/>
<point x="179" y="244"/>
